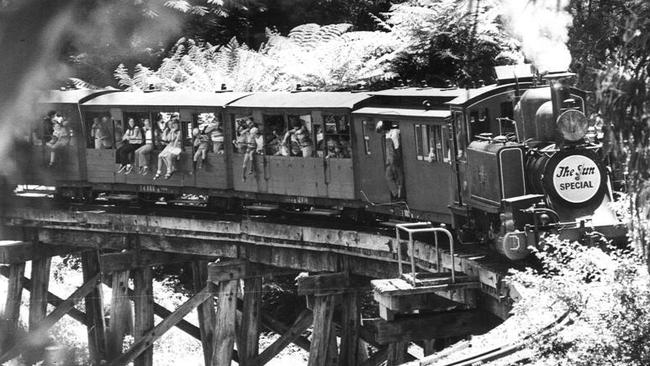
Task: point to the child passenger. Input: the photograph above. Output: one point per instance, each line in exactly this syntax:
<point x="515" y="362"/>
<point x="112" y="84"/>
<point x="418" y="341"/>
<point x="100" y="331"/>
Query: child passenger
<point x="201" y="144"/>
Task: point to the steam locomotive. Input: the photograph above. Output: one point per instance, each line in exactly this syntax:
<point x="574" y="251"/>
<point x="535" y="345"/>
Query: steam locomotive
<point x="501" y="164"/>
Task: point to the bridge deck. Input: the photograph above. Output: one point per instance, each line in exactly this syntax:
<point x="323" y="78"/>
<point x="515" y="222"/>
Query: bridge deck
<point x="303" y="248"/>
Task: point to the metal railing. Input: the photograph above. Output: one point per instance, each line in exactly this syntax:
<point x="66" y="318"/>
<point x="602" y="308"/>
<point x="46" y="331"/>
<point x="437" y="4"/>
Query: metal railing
<point x="422" y="227"/>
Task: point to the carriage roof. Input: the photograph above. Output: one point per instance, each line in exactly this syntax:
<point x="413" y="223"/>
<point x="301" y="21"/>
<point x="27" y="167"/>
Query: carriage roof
<point x="301" y="100"/>
<point x="70" y="96"/>
<point x="166" y="98"/>
<point x="403" y="112"/>
<point x="421" y="92"/>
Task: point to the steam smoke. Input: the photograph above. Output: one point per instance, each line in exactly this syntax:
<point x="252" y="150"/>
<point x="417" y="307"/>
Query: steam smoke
<point x="542" y="27"/>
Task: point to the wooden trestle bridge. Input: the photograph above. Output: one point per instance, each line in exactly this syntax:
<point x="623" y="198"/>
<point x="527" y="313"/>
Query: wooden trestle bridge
<point x="114" y="247"/>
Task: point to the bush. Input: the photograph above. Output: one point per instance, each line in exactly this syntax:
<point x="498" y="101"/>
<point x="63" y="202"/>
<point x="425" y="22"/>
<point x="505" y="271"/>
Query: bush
<point x="608" y="295"/>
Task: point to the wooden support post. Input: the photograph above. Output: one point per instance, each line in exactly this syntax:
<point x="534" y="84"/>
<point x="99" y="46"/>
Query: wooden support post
<point x="396" y="353"/>
<point x="94" y="302"/>
<point x="159" y="330"/>
<point x="205" y="310"/>
<point x="320" y="344"/>
<point x="12" y="305"/>
<point x="303" y="321"/>
<point x="143" y="300"/>
<point x="350" y="329"/>
<point x="38" y="298"/>
<point x="224" y="336"/>
<point x="248" y="346"/>
<point x="121" y="321"/>
<point x="429" y="346"/>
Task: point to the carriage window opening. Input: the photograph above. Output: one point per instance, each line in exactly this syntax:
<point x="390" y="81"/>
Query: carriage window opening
<point x="367" y="127"/>
<point x="301" y="133"/>
<point x="461" y="137"/>
<point x="275" y="130"/>
<point x="207" y="133"/>
<point x="507" y="110"/>
<point x="436" y="144"/>
<point x="241" y="125"/>
<point x="337" y="136"/>
<point x="445" y="143"/>
<point x="162" y="127"/>
<point x="419" y="142"/>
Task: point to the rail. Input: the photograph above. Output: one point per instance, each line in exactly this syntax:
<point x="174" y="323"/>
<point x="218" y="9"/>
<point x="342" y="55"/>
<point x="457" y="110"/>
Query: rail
<point x="416" y="228"/>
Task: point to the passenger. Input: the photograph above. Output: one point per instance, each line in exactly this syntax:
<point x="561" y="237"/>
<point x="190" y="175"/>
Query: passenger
<point x="144" y="152"/>
<point x="394" y="174"/>
<point x="241" y="141"/>
<point x="333" y="149"/>
<point x="346" y="148"/>
<point x="273" y="146"/>
<point x="301" y="133"/>
<point x="131" y="141"/>
<point x="251" y="149"/>
<point x="171" y="152"/>
<point x="60" y="138"/>
<point x="101" y="133"/>
<point x="201" y="144"/>
<point x="215" y="130"/>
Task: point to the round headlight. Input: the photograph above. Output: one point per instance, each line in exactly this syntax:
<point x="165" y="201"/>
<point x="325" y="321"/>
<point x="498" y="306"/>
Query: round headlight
<point x="573" y="125"/>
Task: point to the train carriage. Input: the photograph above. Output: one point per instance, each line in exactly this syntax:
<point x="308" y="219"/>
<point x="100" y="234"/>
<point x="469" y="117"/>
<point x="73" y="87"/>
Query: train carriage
<point x="422" y="118"/>
<point x="281" y="172"/>
<point x="189" y="107"/>
<point x="33" y="152"/>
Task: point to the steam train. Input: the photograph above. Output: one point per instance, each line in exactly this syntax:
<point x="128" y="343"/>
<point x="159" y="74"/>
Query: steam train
<point x="501" y="164"/>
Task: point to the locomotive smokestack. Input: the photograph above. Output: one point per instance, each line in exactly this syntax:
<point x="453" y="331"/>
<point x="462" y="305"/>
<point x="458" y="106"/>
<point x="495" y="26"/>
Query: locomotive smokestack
<point x="560" y="92"/>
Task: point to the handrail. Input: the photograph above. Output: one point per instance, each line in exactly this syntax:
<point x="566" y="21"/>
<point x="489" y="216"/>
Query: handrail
<point x="407" y="227"/>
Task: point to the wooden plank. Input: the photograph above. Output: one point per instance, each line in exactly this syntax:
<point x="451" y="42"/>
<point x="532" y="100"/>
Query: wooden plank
<point x="121" y="321"/>
<point x="144" y="315"/>
<point x="399" y="287"/>
<point x="15" y="274"/>
<point x="350" y="319"/>
<point x="38" y="334"/>
<point x="159" y="330"/>
<point x="320" y="345"/>
<point x="300" y="325"/>
<point x="324" y="284"/>
<point x="248" y="346"/>
<point x="94" y="309"/>
<point x="224" y="336"/>
<point x="396" y="353"/>
<point x="131" y="259"/>
<point x="278" y="327"/>
<point x="448" y="324"/>
<point x="227" y="271"/>
<point x="38" y="297"/>
<point x="205" y="310"/>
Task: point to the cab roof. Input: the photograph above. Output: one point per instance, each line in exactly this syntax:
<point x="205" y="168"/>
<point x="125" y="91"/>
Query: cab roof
<point x="71" y="96"/>
<point x="166" y="98"/>
<point x="301" y="100"/>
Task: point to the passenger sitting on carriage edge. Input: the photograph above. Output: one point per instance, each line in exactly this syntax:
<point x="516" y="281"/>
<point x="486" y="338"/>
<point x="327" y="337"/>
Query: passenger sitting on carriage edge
<point x="201" y="144"/>
<point x="144" y="152"/>
<point x="171" y="152"/>
<point x="301" y="133"/>
<point x="132" y="139"/>
<point x="216" y="135"/>
<point x="60" y="137"/>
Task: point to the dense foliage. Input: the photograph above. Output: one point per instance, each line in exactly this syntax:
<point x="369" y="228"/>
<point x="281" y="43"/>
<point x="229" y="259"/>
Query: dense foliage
<point x="608" y="296"/>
